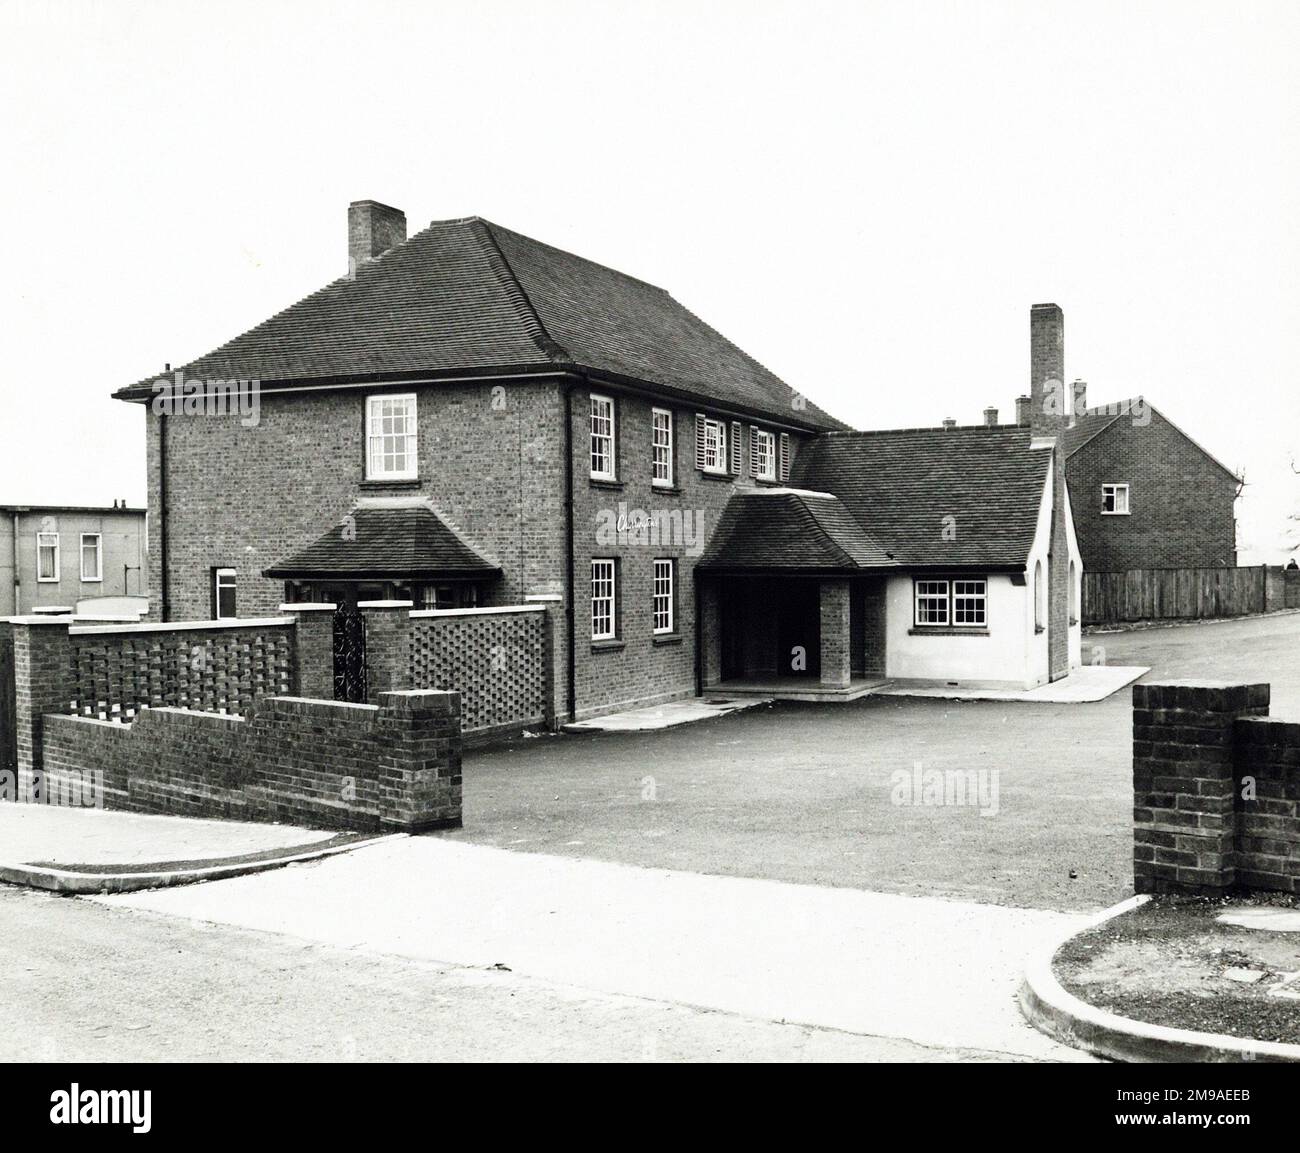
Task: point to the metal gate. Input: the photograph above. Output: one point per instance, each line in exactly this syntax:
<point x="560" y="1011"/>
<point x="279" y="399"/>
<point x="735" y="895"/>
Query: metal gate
<point x="349" y="655"/>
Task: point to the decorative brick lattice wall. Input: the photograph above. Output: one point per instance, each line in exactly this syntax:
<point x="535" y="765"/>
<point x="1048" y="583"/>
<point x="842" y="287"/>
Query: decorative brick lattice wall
<point x="214" y="670"/>
<point x="495" y="660"/>
<point x="1216" y="789"/>
<point x="392" y="766"/>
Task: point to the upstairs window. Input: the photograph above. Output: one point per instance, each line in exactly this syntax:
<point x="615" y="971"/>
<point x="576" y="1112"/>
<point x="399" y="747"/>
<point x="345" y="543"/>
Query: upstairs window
<point x="1114" y="500"/>
<point x="662" y="447"/>
<point x="602" y="438"/>
<point x="762" y="454"/>
<point x="92" y="557"/>
<point x="710" y="444"/>
<point x="47" y="557"/>
<point x="391" y="438"/>
<point x="223" y="594"/>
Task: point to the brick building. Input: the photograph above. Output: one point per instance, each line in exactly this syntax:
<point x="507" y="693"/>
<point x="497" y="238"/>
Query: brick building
<point x="1145" y="494"/>
<point x="471" y="418"/>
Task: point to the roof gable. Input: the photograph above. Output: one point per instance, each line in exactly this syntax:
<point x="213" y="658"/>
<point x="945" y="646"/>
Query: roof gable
<point x="1093" y="422"/>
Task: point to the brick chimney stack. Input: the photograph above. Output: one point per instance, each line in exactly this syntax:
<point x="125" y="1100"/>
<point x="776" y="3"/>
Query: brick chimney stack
<point x="373" y="229"/>
<point x="1022" y="409"/>
<point x="1046" y="369"/>
<point x="990" y="416"/>
<point x="949" y="422"/>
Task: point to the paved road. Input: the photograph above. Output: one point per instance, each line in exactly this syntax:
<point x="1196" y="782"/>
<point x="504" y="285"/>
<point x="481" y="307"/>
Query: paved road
<point x="939" y="973"/>
<point x="81" y="981"/>
<point x="804" y="792"/>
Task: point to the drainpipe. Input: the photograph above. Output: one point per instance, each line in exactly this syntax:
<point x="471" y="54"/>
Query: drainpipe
<point x="568" y="546"/>
<point x="162" y="516"/>
<point x="17" y="580"/>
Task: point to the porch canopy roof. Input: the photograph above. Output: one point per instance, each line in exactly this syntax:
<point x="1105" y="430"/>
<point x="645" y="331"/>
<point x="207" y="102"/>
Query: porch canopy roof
<point x="790" y="530"/>
<point x="377" y="540"/>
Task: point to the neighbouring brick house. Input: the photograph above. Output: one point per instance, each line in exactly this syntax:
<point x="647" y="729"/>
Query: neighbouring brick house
<point x="1145" y="494"/>
<point x="472" y="419"/>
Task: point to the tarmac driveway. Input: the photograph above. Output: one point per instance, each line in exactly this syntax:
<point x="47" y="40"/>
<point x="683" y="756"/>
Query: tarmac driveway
<point x="809" y="793"/>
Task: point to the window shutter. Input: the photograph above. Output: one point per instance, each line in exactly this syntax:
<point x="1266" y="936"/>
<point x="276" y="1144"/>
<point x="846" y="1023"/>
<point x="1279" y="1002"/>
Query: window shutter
<point x="735" y="448"/>
<point x="753" y="450"/>
<point x="699" y="440"/>
<point x="785" y="456"/>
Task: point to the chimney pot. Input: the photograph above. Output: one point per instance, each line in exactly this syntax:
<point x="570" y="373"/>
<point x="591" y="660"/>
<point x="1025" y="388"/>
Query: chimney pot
<point x="373" y="229"/>
<point x="990" y="416"/>
<point x="948" y="422"/>
<point x="1079" y="390"/>
<point x="1022" y="409"/>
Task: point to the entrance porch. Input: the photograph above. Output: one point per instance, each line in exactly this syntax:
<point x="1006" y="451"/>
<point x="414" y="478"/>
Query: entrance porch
<point x="800" y="637"/>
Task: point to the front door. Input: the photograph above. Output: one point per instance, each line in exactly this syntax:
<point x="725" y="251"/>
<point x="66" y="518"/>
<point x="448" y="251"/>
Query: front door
<point x="799" y="633"/>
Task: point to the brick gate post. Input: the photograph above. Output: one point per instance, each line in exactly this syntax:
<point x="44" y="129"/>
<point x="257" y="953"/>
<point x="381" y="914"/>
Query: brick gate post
<point x="43" y="683"/>
<point x="313" y="636"/>
<point x="388" y="647"/>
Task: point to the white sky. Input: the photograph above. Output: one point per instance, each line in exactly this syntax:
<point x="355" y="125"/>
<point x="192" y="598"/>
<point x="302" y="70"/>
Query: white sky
<point x="867" y="197"/>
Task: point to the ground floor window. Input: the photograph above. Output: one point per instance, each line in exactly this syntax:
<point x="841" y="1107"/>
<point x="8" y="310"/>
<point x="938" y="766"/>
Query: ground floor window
<point x="223" y="594"/>
<point x="664" y="610"/>
<point x="931" y="602"/>
<point x="453" y="595"/>
<point x="603" y="619"/>
<point x="961" y="602"/>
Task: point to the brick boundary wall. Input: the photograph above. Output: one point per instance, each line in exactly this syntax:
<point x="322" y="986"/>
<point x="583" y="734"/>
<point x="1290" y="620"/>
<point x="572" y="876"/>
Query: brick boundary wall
<point x="395" y="766"/>
<point x="1216" y="789"/>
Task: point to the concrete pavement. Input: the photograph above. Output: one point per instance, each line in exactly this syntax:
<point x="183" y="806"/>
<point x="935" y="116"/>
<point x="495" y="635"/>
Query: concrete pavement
<point x="58" y="834"/>
<point x="933" y="972"/>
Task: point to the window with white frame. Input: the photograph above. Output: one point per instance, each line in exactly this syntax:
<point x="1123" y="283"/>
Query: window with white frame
<point x="663" y="596"/>
<point x="931" y="602"/>
<point x="968" y="602"/>
<point x="223" y="594"/>
<point x="391" y="443"/>
<point x="92" y="557"/>
<point x="711" y="454"/>
<point x="47" y="557"/>
<point x="960" y="602"/>
<point x="762" y="454"/>
<point x="602" y="438"/>
<point x="1074" y="595"/>
<point x="603" y="607"/>
<point x="1114" y="499"/>
<point x="662" y="445"/>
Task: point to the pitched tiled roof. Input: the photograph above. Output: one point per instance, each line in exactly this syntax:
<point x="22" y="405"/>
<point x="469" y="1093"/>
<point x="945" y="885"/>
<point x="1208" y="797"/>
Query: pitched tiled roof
<point x="383" y="541"/>
<point x="790" y="529"/>
<point x="900" y="486"/>
<point x="467" y="296"/>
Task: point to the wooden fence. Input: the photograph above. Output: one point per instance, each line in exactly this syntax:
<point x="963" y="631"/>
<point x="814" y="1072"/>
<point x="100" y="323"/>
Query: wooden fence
<point x="1186" y="593"/>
